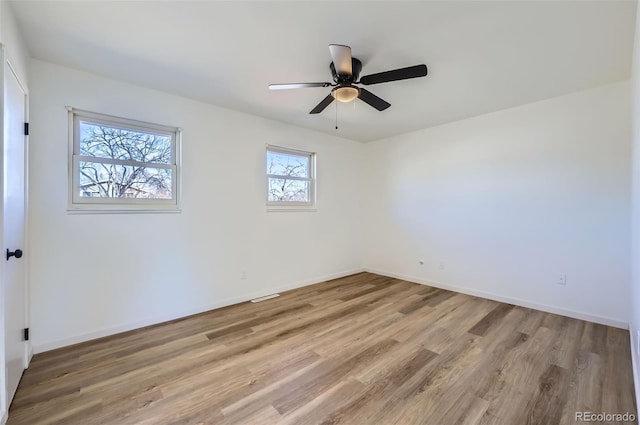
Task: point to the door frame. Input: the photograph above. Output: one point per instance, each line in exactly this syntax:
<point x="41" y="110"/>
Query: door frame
<point x="28" y="350"/>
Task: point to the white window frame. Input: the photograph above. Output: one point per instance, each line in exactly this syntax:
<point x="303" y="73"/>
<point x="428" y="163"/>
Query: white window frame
<point x="77" y="203"/>
<point x="292" y="205"/>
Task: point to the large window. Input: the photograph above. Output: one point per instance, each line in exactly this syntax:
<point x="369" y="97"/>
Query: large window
<point x="121" y="164"/>
<point x="290" y="177"/>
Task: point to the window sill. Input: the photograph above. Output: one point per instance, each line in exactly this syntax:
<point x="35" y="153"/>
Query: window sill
<point x="80" y="211"/>
<point x="291" y="209"/>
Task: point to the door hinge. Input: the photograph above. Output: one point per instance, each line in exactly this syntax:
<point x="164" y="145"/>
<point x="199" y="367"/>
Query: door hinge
<point x="26" y="129"/>
<point x="26" y="334"/>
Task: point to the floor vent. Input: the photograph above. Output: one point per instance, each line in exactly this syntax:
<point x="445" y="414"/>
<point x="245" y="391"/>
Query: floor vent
<point x="267" y="297"/>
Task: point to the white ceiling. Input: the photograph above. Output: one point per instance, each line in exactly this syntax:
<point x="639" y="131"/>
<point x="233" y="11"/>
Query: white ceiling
<point x="482" y="56"/>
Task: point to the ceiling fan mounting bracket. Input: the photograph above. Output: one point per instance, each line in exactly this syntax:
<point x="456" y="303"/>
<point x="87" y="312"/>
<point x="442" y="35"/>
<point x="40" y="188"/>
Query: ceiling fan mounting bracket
<point x="356" y="67"/>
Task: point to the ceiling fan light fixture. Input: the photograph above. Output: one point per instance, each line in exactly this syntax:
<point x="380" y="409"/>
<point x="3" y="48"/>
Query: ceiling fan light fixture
<point x="345" y="94"/>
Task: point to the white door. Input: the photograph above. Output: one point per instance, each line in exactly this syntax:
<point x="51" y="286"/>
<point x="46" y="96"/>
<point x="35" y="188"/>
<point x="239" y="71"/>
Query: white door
<point x="15" y="317"/>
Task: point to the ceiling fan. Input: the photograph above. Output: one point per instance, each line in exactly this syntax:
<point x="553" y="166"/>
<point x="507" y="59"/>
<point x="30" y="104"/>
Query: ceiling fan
<point x="346" y="70"/>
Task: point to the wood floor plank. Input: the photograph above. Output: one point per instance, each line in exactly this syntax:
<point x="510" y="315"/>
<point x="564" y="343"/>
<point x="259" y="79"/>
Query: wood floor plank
<point x="548" y="403"/>
<point x="360" y="350"/>
<point x="495" y="316"/>
<point x="615" y="397"/>
<point x="313" y="412"/>
<point x="466" y="410"/>
<point x="364" y="408"/>
<point x="312" y="385"/>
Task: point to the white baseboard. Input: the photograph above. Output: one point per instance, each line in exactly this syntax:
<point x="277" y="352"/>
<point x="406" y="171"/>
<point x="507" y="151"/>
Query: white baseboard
<point x="495" y="297"/>
<point x="633" y="338"/>
<point x="52" y="345"/>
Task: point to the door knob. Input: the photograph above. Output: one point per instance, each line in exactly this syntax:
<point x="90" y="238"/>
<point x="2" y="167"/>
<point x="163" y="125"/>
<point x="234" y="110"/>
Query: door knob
<point x="17" y="253"/>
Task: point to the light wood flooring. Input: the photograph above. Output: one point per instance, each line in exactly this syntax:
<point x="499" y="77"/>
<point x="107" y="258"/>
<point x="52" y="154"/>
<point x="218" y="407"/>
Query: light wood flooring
<point x="360" y="350"/>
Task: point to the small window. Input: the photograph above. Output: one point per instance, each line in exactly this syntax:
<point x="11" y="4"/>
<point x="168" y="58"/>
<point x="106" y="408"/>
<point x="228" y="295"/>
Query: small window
<point x="121" y="164"/>
<point x="290" y="177"/>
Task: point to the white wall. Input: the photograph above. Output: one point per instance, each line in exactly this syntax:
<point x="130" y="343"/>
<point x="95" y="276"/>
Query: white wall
<point x="635" y="207"/>
<point x="510" y="201"/>
<point x="97" y="274"/>
<point x="15" y="47"/>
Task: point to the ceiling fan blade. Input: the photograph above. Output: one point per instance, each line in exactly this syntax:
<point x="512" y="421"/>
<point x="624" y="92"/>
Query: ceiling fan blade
<point x="341" y="56"/>
<point x="395" y="75"/>
<point x="296" y="86"/>
<point x="320" y="107"/>
<point x="373" y="100"/>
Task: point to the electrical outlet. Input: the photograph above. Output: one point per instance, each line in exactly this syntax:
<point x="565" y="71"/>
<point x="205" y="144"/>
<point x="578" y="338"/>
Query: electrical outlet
<point x="441" y="265"/>
<point x="562" y="279"/>
<point x="244" y="276"/>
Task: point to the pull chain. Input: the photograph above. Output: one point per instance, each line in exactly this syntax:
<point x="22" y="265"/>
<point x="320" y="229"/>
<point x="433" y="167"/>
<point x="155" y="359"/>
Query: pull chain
<point x="336" y="114"/>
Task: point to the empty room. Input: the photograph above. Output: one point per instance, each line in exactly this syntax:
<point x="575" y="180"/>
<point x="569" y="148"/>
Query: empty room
<point x="319" y="213"/>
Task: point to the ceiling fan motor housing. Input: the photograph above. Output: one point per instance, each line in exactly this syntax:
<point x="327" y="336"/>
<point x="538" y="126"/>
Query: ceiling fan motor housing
<point x="356" y="67"/>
